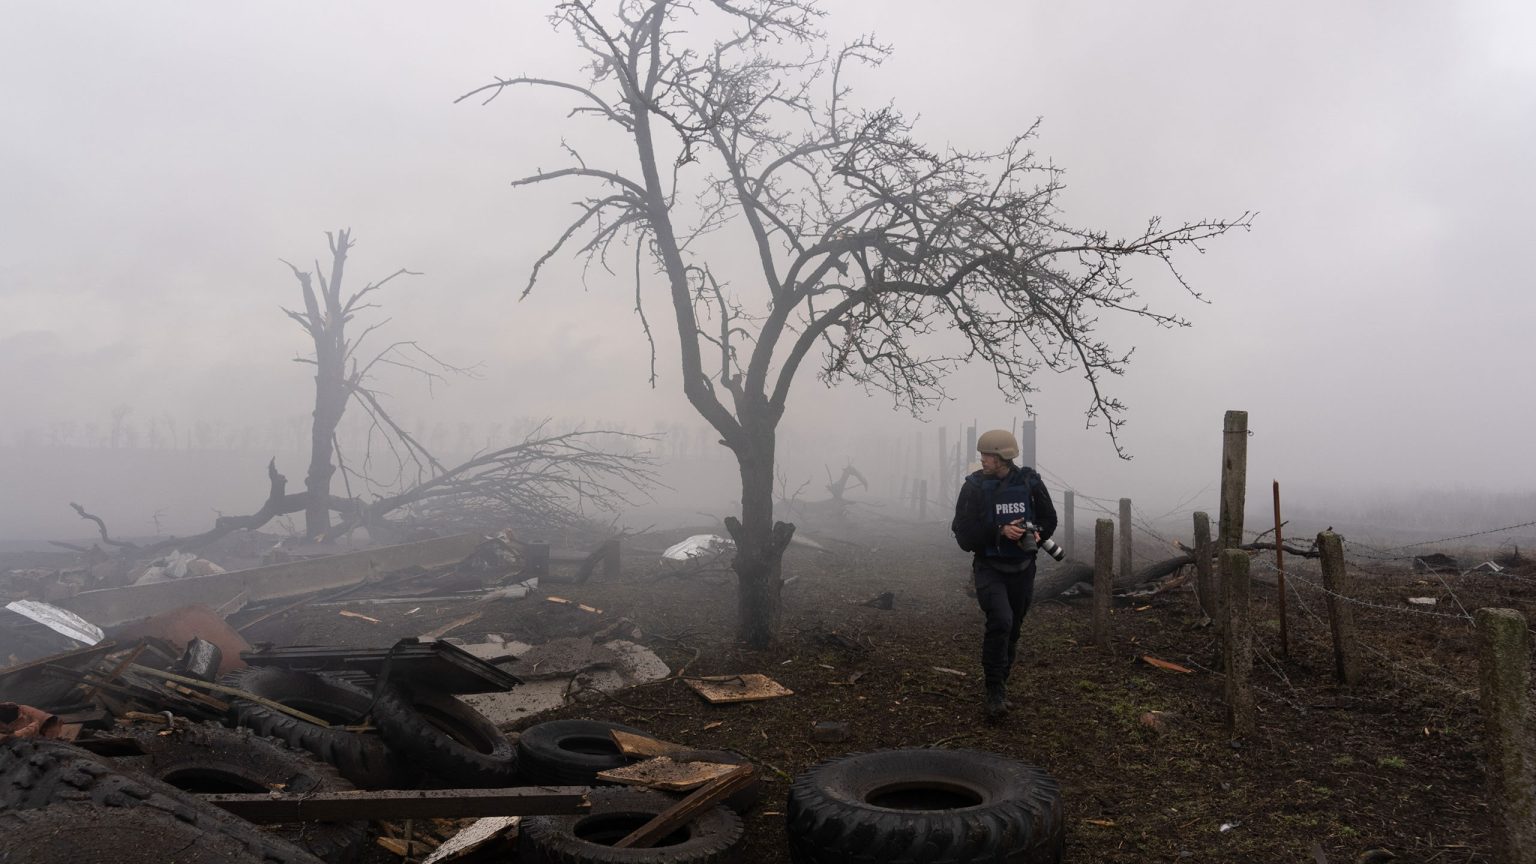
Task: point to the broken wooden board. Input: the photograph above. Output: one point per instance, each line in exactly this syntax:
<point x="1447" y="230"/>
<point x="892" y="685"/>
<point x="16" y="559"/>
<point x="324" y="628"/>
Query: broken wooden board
<point x="1166" y="665"/>
<point x="643" y="746"/>
<point x="664" y="774"/>
<point x="481" y="832"/>
<point x="751" y="687"/>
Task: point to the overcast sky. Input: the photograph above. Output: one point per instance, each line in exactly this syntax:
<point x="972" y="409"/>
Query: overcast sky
<point x="161" y="157"/>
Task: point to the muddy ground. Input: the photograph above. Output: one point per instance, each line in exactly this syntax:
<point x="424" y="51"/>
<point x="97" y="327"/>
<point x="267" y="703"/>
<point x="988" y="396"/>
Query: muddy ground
<point x="1395" y="763"/>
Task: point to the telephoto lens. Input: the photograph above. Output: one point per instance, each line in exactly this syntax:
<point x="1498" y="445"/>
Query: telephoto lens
<point x="1053" y="550"/>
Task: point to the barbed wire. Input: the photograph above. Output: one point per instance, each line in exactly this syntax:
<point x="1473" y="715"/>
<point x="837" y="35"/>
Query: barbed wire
<point x="1292" y="575"/>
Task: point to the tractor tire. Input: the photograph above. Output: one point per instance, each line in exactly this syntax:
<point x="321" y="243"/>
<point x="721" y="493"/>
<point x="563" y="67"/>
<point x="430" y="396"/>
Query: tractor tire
<point x="457" y="745"/>
<point x="70" y="786"/>
<point x="213" y="759"/>
<point x="712" y="836"/>
<point x="363" y="759"/>
<point x="931" y="806"/>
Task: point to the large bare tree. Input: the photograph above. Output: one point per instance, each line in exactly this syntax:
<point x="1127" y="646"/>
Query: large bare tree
<point x="864" y="238"/>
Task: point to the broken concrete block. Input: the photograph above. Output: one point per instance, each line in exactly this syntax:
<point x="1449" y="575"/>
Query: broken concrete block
<point x="561" y="658"/>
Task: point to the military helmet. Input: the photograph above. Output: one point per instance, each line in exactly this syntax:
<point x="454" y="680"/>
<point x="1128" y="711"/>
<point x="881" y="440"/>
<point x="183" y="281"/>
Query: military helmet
<point x="1000" y="443"/>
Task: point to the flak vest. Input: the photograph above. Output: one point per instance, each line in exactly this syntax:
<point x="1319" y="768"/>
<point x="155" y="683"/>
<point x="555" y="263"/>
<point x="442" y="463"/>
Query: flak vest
<point x="1008" y="504"/>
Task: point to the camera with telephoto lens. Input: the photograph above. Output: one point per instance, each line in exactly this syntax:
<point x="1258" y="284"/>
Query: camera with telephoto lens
<point x="1029" y="544"/>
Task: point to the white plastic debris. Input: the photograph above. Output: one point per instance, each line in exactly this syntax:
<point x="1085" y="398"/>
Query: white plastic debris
<point x="1228" y="826"/>
<point x="58" y="620"/>
<point x="1488" y="567"/>
<point x="1422" y="601"/>
<point x="697" y="546"/>
<point x="177" y="565"/>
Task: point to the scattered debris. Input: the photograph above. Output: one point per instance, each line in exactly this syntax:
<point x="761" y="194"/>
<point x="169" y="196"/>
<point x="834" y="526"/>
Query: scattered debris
<point x="831" y="731"/>
<point x="478" y="834"/>
<point x="883" y="600"/>
<point x="948" y="671"/>
<point x="698" y="546"/>
<point x="582" y="606"/>
<point x="1228" y="826"/>
<point x="24" y="721"/>
<point x="440" y="632"/>
<point x="1423" y="601"/>
<point x="61" y="621"/>
<point x="359" y="616"/>
<point x="751" y="687"/>
<point x="1166" y="665"/>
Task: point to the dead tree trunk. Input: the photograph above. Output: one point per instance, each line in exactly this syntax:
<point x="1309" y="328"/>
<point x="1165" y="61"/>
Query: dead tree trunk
<point x="760" y="544"/>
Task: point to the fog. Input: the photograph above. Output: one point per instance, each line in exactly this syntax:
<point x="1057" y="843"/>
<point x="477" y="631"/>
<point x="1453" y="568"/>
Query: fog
<point x="162" y="157"/>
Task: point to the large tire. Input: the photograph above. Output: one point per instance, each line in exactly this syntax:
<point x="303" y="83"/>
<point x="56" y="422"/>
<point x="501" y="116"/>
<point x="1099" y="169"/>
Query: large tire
<point x="569" y="752"/>
<point x="90" y="834"/>
<point x="363" y="759"/>
<point x="931" y="806"/>
<point x="39" y="774"/>
<point x="588" y="838"/>
<point x="456" y="744"/>
<point x="212" y="759"/>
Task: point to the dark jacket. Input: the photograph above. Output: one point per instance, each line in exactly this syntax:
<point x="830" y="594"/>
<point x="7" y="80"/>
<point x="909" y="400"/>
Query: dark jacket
<point x="975" y="528"/>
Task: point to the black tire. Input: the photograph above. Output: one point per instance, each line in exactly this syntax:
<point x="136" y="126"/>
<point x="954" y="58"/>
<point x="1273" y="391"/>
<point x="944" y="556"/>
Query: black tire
<point x="570" y="752"/>
<point x="933" y="806"/>
<point x="455" y="743"/>
<point x="49" y="776"/>
<point x="212" y="759"/>
<point x="363" y="759"/>
<point x="588" y="838"/>
<point x="88" y="834"/>
<point x="741" y="800"/>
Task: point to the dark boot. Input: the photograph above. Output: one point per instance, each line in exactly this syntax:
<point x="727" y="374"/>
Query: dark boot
<point x="997" y="703"/>
<point x="1013" y="656"/>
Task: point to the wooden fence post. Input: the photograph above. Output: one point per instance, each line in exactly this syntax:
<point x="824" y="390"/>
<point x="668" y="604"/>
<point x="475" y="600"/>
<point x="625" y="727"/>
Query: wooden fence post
<point x="1125" y="539"/>
<point x="1205" y="587"/>
<point x="1234" y="478"/>
<point x="1068" y="520"/>
<point x="1285" y="638"/>
<point x="1238" y="642"/>
<point x="1234" y="486"/>
<point x="1341" y="616"/>
<point x="1103" y="579"/>
<point x="1504" y="679"/>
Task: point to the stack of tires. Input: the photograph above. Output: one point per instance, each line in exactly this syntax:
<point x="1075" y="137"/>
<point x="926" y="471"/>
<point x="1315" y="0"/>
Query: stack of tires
<point x="424" y="738"/>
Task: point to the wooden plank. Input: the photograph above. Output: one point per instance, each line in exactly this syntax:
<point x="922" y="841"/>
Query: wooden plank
<point x="664" y="774"/>
<point x="684" y="811"/>
<point x="264" y="808"/>
<point x="643" y="746"/>
<point x="738" y="688"/>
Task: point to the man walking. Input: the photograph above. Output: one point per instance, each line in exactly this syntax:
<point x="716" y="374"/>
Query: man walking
<point x="1003" y="511"/>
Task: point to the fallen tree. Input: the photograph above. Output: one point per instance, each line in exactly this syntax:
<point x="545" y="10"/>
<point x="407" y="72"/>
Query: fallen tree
<point x="1050" y="582"/>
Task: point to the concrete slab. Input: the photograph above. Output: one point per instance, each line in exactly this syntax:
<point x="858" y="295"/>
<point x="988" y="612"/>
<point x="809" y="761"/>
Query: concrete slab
<point x="534" y="697"/>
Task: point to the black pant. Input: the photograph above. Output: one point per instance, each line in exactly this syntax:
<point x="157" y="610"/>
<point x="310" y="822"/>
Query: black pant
<point x="1004" y="597"/>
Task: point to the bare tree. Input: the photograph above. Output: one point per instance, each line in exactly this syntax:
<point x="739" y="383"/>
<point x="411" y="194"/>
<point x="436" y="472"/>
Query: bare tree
<point x="865" y="238"/>
<point x="339" y="377"/>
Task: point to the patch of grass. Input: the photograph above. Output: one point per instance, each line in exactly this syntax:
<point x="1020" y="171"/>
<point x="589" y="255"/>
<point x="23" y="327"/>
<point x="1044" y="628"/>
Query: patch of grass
<point x="1343" y="761"/>
<point x="1391" y="762"/>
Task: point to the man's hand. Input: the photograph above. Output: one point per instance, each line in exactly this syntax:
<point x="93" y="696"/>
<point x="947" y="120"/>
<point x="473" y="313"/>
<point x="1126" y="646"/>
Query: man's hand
<point x="1013" y="530"/>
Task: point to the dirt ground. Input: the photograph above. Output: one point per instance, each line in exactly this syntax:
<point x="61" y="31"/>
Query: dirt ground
<point x="1332" y="772"/>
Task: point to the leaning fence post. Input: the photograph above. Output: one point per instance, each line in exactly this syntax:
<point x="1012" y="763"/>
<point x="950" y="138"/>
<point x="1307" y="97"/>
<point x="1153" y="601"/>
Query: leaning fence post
<point x="1238" y="642"/>
<point x="1205" y="587"/>
<point x="1504" y="679"/>
<point x="1125" y="540"/>
<point x="1103" y="579"/>
<point x="1068" y="523"/>
<point x="1341" y="616"/>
